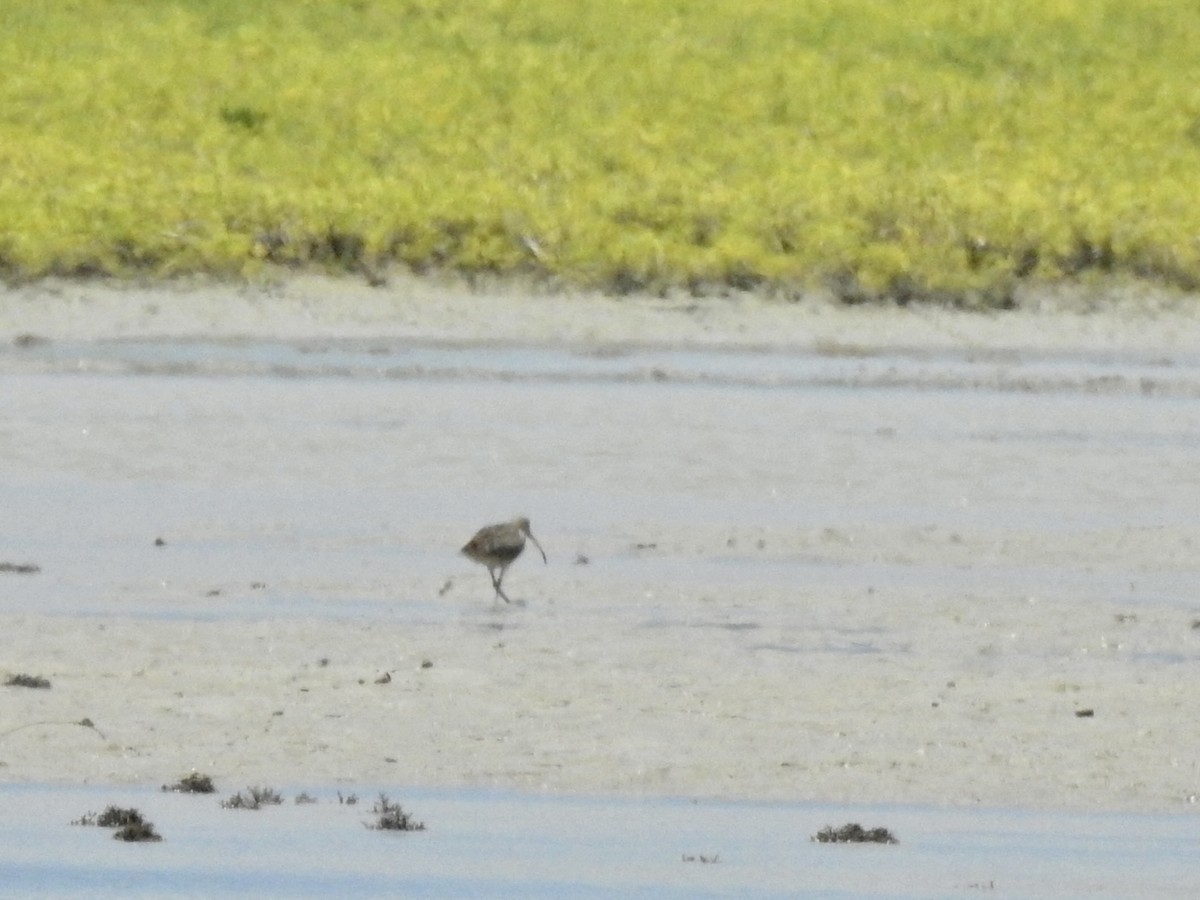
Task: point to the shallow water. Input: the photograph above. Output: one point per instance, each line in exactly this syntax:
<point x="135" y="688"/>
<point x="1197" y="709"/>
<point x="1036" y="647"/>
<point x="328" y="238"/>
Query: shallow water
<point x="312" y="462"/>
<point x="500" y="844"/>
<point x="831" y="366"/>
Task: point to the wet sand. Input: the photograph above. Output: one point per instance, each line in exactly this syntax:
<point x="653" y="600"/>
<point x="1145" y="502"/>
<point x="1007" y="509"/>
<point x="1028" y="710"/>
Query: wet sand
<point x="797" y="553"/>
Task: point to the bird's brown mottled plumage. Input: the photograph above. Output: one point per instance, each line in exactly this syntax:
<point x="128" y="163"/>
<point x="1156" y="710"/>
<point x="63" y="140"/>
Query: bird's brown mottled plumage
<point x="496" y="546"/>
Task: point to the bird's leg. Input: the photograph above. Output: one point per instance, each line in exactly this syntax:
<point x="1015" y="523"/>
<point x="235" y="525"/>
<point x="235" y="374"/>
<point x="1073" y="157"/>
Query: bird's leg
<point x="496" y="579"/>
<point x="499" y="590"/>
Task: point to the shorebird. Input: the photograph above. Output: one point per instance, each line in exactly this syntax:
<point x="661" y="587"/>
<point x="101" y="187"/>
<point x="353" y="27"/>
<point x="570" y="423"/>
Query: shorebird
<point x="496" y="546"/>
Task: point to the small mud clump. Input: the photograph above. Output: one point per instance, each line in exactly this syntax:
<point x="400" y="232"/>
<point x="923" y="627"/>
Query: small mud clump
<point x="854" y="834"/>
<point x="254" y="798"/>
<point x="112" y="817"/>
<point x="391" y="817"/>
<point x="29" y="681"/>
<point x="130" y="825"/>
<point x="137" y="831"/>
<point x="116" y="817"/>
<point x="20" y="568"/>
<point x="195" y="783"/>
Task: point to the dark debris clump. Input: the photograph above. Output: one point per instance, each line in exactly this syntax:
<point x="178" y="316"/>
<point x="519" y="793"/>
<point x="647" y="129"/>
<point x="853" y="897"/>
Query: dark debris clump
<point x="854" y="833"/>
<point x="391" y="817"/>
<point x="112" y="817"/>
<point x="130" y="825"/>
<point x="20" y="568"/>
<point x="29" y="681"/>
<point x="195" y="783"/>
<point x="137" y="831"/>
<point x="116" y="817"/>
<point x="254" y="798"/>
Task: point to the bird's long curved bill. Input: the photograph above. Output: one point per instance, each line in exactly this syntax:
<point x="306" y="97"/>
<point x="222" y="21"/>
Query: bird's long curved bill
<point x="539" y="546"/>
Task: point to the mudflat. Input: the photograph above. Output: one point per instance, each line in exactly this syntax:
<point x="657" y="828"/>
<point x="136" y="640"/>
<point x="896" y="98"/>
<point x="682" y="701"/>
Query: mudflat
<point x="796" y="552"/>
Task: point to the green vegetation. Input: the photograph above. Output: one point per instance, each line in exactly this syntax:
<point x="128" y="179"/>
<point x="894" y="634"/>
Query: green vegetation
<point x="906" y="149"/>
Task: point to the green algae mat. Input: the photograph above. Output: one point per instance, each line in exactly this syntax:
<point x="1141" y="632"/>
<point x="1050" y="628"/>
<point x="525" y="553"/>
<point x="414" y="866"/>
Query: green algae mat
<point x="900" y="150"/>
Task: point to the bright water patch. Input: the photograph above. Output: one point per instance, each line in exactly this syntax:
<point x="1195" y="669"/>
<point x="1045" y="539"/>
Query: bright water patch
<point x="500" y="844"/>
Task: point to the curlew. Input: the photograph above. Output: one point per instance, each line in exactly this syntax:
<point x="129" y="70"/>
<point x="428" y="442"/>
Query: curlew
<point x="496" y="546"/>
